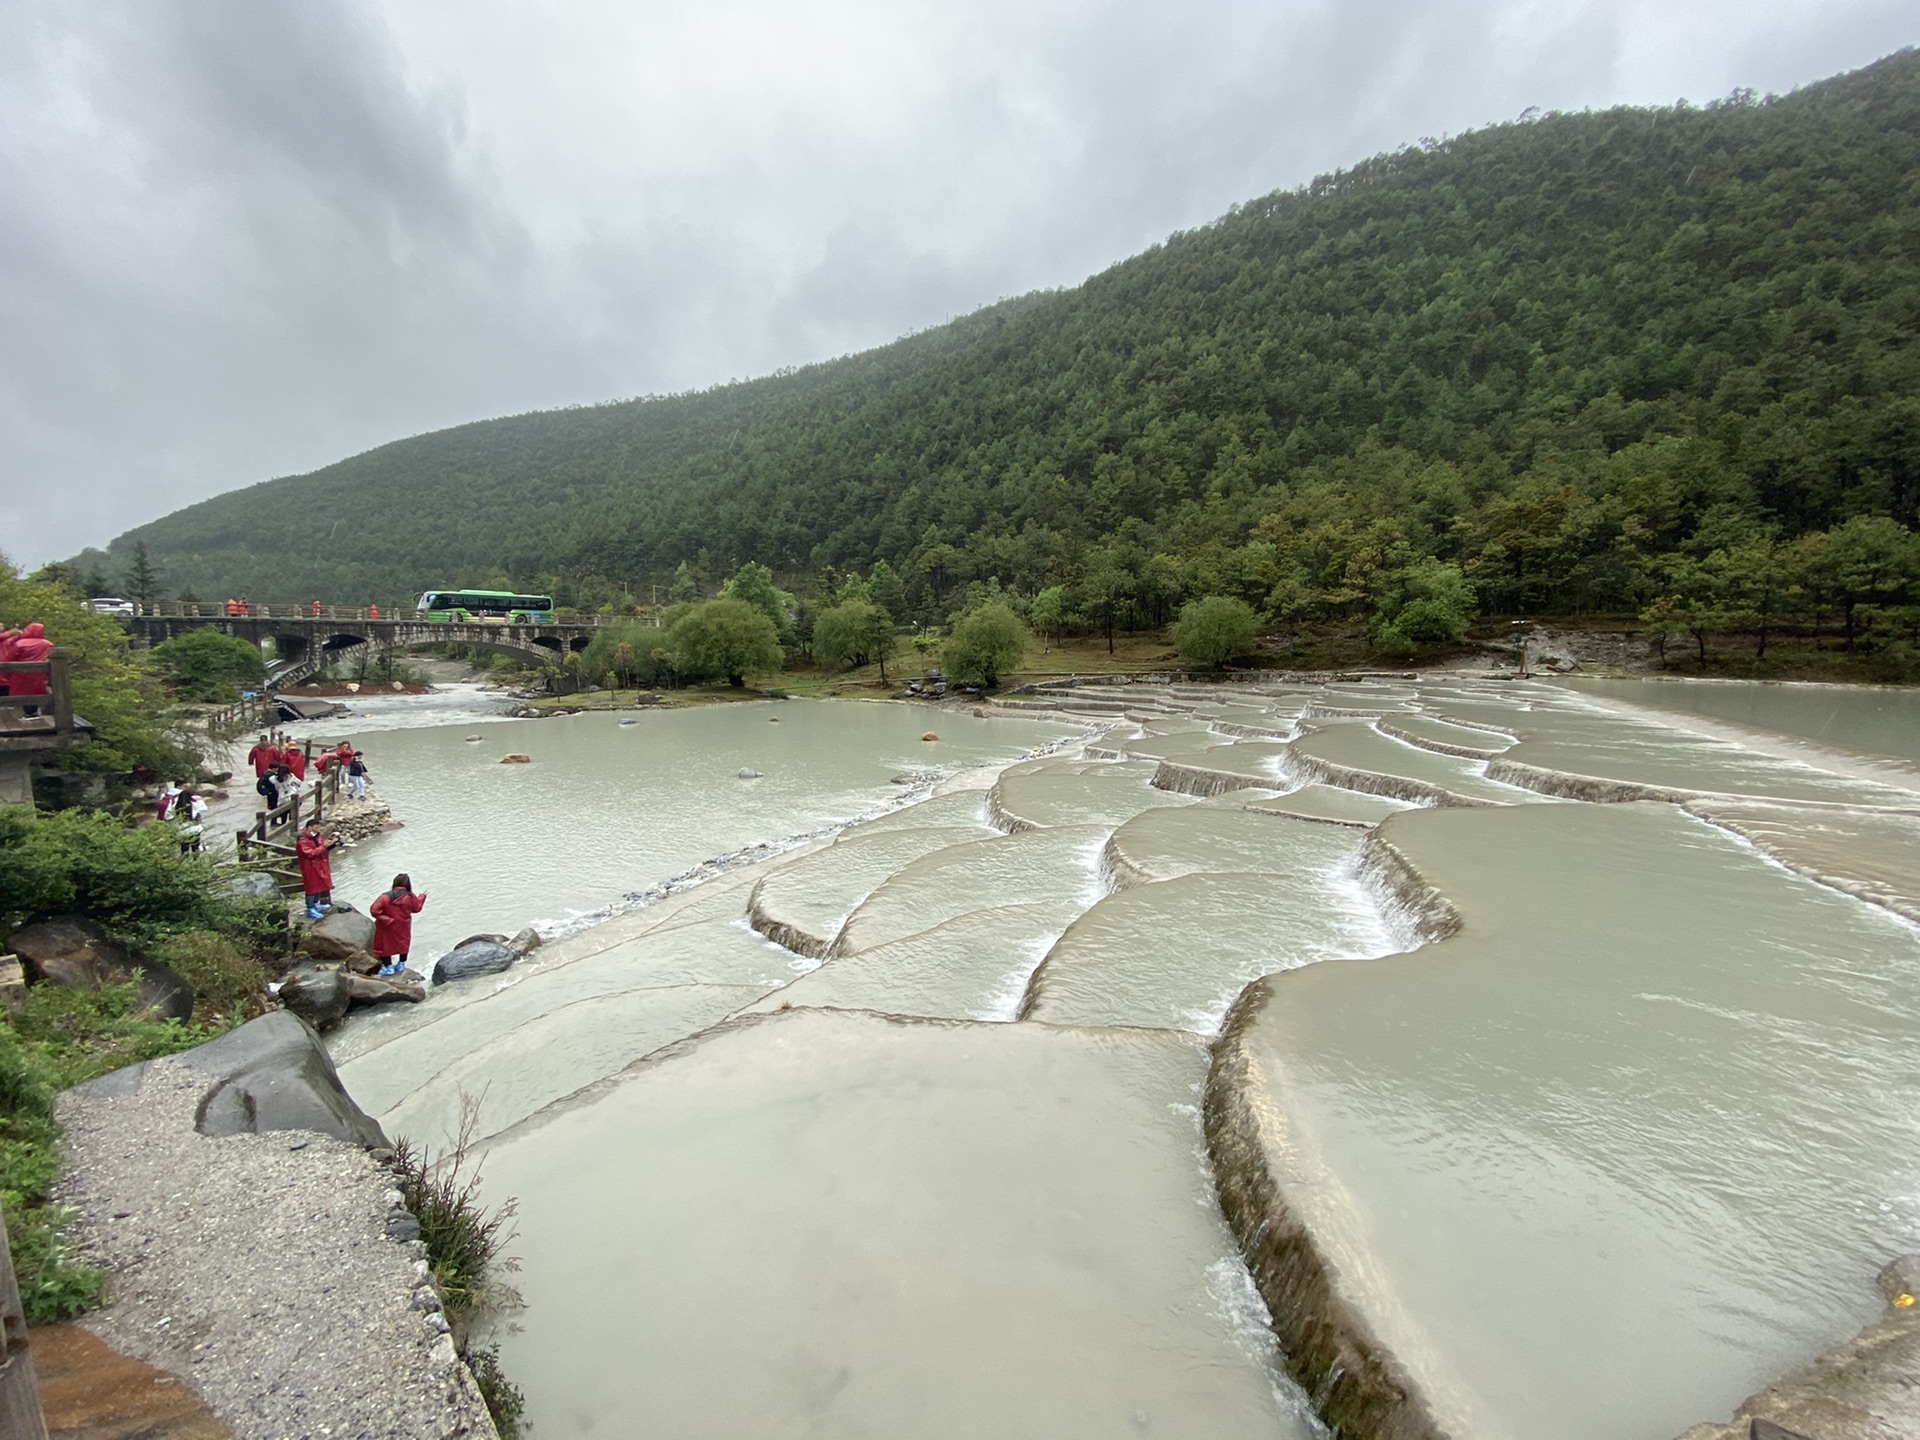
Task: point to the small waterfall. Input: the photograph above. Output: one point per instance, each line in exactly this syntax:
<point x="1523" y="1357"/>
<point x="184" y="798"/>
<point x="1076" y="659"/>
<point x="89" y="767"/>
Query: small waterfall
<point x="1368" y="782"/>
<point x="1181" y="779"/>
<point x="1360" y="1389"/>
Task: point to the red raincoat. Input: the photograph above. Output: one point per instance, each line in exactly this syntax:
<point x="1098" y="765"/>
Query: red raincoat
<point x="296" y="759"/>
<point x="393" y="916"/>
<point x="316" y="870"/>
<point x="263" y="757"/>
<point x="32" y="647"/>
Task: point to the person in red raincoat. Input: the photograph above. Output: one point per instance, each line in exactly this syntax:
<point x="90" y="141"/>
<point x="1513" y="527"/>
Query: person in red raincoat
<point x="32" y="647"/>
<point x="393" y="914"/>
<point x="263" y="757"/>
<point x="316" y="870"/>
<point x="296" y="761"/>
<point x="7" y="637"/>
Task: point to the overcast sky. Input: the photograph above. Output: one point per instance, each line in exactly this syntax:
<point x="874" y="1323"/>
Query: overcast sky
<point x="244" y="238"/>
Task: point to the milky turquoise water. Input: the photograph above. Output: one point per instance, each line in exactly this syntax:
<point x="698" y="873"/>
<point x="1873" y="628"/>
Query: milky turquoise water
<point x="1623" y="1147"/>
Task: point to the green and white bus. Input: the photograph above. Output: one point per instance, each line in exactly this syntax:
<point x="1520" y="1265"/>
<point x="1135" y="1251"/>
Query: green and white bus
<point x="498" y="606"/>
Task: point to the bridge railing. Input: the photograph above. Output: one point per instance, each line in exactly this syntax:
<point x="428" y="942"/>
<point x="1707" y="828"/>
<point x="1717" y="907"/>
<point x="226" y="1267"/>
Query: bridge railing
<point x="203" y="610"/>
<point x="247" y="610"/>
<point x="273" y="831"/>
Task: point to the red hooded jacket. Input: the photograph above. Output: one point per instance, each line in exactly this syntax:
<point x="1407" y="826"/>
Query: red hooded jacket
<point x="393" y="914"/>
<point x="316" y="870"/>
<point x="263" y="757"/>
<point x="32" y="647"/>
<point x="296" y="759"/>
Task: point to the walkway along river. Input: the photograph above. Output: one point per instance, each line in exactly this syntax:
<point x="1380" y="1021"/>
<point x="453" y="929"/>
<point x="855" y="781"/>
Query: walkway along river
<point x="1556" y="1063"/>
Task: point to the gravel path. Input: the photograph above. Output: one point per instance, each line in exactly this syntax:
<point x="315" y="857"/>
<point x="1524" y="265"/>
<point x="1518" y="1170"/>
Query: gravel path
<point x="258" y="1269"/>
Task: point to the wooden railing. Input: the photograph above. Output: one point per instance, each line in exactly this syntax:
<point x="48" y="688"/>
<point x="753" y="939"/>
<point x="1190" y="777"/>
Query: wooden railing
<point x="54" y="705"/>
<point x="272" y="831"/>
<point x="242" y="715"/>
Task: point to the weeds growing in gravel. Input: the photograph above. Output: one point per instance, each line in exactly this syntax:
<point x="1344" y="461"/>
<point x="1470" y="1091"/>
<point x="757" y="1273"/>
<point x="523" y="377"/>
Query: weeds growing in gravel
<point x="53" y="1286"/>
<point x="466" y="1246"/>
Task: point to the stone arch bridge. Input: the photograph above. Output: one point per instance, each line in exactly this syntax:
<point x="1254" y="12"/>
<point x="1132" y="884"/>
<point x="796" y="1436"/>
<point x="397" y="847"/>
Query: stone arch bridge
<point x="307" y="644"/>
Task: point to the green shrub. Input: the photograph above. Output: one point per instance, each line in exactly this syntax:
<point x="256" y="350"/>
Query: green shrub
<point x="725" y="639"/>
<point x="53" y="1286"/>
<point x="79" y="1034"/>
<point x="984" y="645"/>
<point x="229" y="985"/>
<point x="205" y="664"/>
<point x="1427" y="603"/>
<point x="85" y="862"/>
<point x="1212" y="631"/>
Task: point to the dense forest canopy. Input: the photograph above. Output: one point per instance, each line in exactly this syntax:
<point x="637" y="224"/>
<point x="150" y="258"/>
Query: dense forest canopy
<point x="1568" y="358"/>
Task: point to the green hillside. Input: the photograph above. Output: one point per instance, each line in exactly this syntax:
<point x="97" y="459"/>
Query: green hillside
<point x="1572" y="356"/>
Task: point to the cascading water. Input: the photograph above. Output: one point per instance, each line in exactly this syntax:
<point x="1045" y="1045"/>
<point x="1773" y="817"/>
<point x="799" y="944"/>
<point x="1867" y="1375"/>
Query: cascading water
<point x="832" y="1184"/>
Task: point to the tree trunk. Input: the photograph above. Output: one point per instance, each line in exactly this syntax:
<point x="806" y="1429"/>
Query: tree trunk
<point x="1700" y="640"/>
<point x="1760" y="651"/>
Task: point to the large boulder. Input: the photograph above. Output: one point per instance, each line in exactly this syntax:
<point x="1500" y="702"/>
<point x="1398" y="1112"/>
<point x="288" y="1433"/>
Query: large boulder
<point x="525" y="942"/>
<point x="476" y="957"/>
<point x="76" y="955"/>
<point x="270" y="1074"/>
<point x="318" y="994"/>
<point x="339" y="935"/>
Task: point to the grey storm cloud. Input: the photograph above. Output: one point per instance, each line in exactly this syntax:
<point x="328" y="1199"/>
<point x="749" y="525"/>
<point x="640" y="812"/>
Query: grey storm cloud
<point x="243" y="238"/>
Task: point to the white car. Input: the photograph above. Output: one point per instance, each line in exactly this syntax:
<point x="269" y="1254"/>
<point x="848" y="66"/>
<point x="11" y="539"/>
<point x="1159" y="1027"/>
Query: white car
<point x="111" y="605"/>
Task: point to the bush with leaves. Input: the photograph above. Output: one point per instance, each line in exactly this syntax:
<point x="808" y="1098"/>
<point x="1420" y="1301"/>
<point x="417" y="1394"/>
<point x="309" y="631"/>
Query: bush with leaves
<point x="984" y="645"/>
<point x="1427" y="603"/>
<point x="854" y="632"/>
<point x="137" y="883"/>
<point x="1214" y="630"/>
<point x="725" y="639"/>
<point x="206" y="664"/>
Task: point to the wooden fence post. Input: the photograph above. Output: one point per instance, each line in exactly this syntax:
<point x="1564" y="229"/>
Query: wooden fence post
<point x="20" y="1417"/>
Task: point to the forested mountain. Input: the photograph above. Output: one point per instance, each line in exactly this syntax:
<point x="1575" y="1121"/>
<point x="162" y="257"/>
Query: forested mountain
<point x="1565" y="355"/>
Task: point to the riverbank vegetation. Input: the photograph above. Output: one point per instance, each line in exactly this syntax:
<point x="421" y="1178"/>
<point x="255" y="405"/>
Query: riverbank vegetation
<point x="1651" y="362"/>
<point x="143" y="896"/>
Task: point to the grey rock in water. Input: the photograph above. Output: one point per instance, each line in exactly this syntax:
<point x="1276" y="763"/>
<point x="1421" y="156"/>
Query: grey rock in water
<point x="373" y="990"/>
<point x="338" y="935"/>
<point x="475" y="958"/>
<point x="747" y="772"/>
<point x="76" y="955"/>
<point x="270" y="1074"/>
<point x="252" y="885"/>
<point x="318" y="994"/>
<point x="526" y="942"/>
